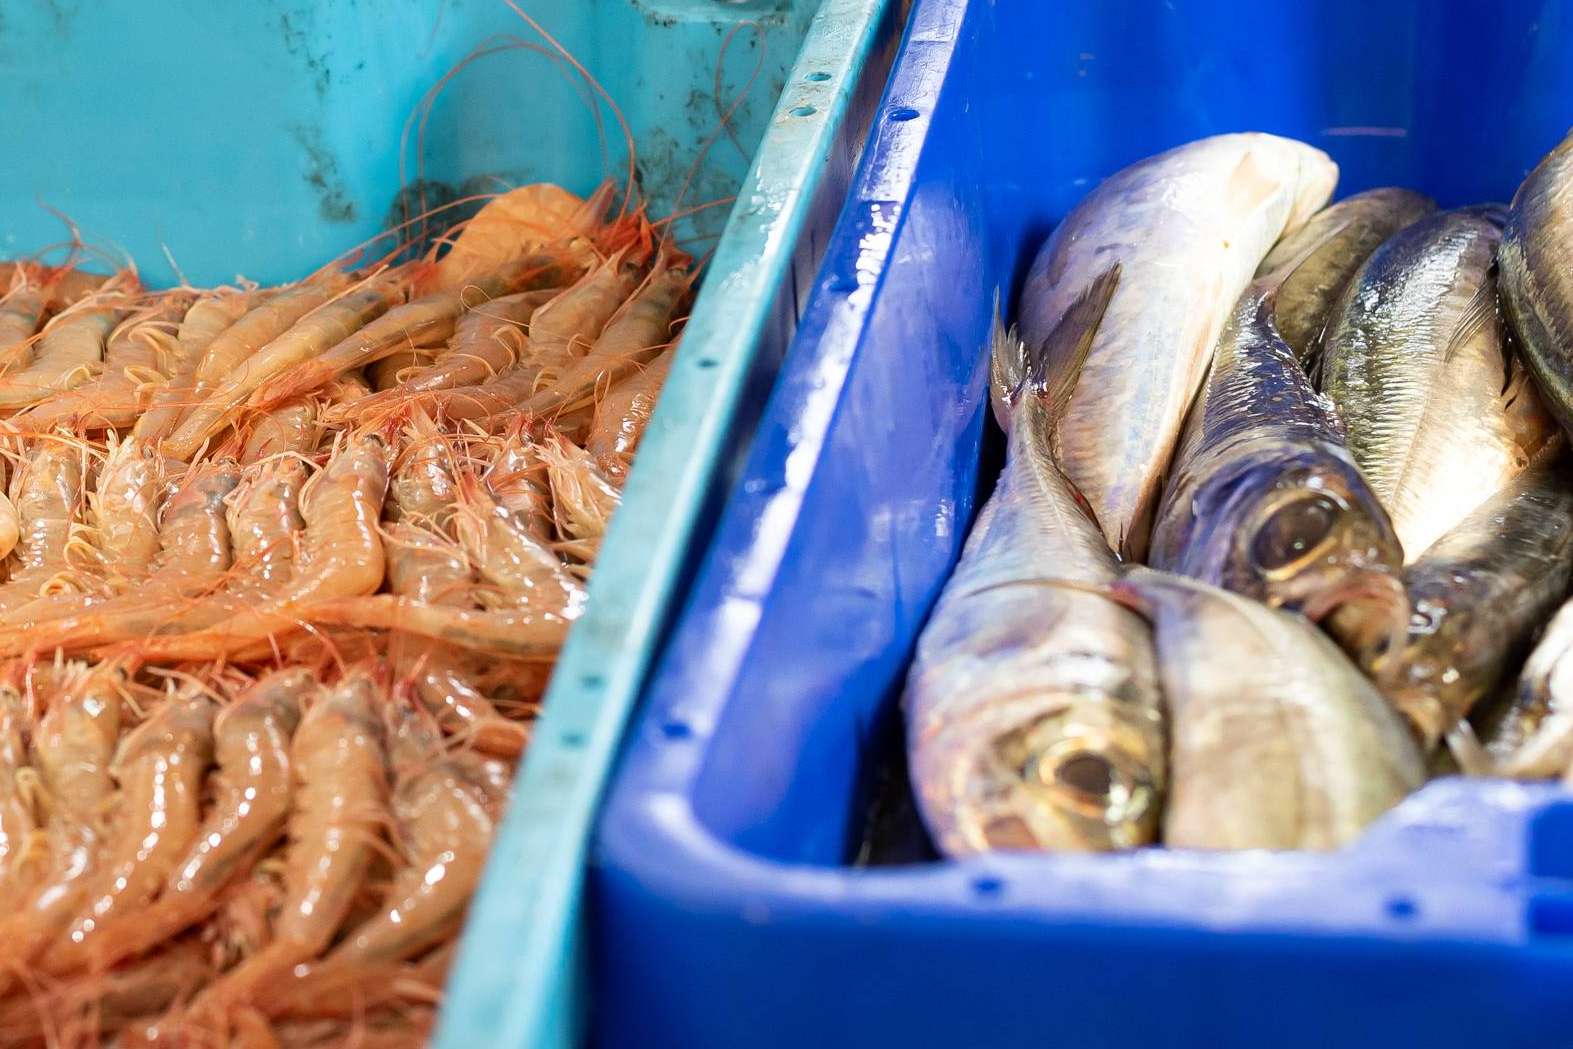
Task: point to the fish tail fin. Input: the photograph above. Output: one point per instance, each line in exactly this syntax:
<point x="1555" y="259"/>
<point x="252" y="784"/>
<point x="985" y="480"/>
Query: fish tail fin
<point x="1056" y="362"/>
<point x="1007" y="366"/>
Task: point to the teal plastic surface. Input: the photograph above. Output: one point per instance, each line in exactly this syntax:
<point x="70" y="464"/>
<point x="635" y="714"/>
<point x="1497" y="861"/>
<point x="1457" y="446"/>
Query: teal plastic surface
<point x="212" y="138"/>
<point x="262" y="138"/>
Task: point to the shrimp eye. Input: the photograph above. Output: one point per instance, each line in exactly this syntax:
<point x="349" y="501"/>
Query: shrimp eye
<point x="1292" y="531"/>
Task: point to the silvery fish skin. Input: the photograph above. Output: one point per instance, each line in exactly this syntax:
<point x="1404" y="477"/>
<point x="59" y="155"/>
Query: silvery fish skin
<point x="1437" y="411"/>
<point x="1477" y="596"/>
<point x="1318" y="260"/>
<point x="1264" y="499"/>
<point x="1034" y="719"/>
<point x="1188" y="227"/>
<point x="1537" y="275"/>
<point x="1530" y="734"/>
<point x="1277" y="740"/>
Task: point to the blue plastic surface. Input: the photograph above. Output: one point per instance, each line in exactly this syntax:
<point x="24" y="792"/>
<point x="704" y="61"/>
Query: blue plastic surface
<point x="726" y="909"/>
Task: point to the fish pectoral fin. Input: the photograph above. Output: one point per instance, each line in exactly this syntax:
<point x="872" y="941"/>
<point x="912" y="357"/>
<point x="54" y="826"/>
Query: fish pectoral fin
<point x="1007" y="366"/>
<point x="1056" y="363"/>
<point x="1249" y="187"/>
<point x="1481" y="309"/>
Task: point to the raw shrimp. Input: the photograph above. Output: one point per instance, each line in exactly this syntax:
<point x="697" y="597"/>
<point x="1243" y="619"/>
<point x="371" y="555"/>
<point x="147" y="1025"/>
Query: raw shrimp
<point x="340" y="806"/>
<point x="125" y="507"/>
<point x="508" y="556"/>
<point x="160" y="768"/>
<point x="384" y="374"/>
<point x="516" y="223"/>
<point x="72" y="748"/>
<point x="583" y="501"/>
<point x="10" y="525"/>
<point x="621" y="418"/>
<point x="445" y="830"/>
<point x="518" y="479"/>
<point x="563" y="330"/>
<point x="523" y="633"/>
<point x="639" y="331"/>
<point x="47" y="496"/>
<point x="422" y="322"/>
<point x="81" y="1012"/>
<point x="194" y="553"/>
<point x="342" y="557"/>
<point x="293" y="427"/>
<point x="70" y="352"/>
<point x="131" y="372"/>
<point x="308" y="337"/>
<point x="439" y="680"/>
<point x="207" y="322"/>
<point x="21" y="311"/>
<point x="264" y="519"/>
<point x="488" y="340"/>
<point x="427" y="567"/>
<point x="423" y="487"/>
<point x="18" y="823"/>
<point x="251" y="790"/>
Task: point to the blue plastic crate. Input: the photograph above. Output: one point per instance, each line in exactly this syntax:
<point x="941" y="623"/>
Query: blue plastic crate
<point x="263" y="137"/>
<point x="727" y="909"/>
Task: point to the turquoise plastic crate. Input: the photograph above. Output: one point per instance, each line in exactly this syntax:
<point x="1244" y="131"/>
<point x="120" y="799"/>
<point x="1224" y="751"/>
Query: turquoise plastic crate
<point x="209" y="140"/>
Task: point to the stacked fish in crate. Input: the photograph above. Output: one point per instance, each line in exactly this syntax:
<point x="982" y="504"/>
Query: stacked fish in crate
<point x="1285" y="497"/>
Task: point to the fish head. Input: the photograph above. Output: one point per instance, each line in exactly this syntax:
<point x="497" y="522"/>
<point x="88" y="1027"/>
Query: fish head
<point x="1300" y="529"/>
<point x="1434" y="667"/>
<point x="1069" y="772"/>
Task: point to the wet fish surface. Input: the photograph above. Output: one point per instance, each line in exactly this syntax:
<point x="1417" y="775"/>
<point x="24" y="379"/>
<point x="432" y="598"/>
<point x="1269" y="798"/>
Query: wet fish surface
<point x="1477" y="596"/>
<point x="1034" y="719"/>
<point x="1278" y="740"/>
<point x="1537" y="275"/>
<point x="1188" y="229"/>
<point x="1529" y="735"/>
<point x="1438" y="412"/>
<point x="1264" y="499"/>
<point x="1318" y="260"/>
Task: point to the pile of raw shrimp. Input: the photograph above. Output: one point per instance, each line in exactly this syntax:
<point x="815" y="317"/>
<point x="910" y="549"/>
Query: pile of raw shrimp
<point x="285" y="573"/>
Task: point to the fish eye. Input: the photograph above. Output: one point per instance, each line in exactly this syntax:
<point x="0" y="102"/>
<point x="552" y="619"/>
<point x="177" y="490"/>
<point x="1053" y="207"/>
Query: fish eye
<point x="1293" y="531"/>
<point x="1085" y="781"/>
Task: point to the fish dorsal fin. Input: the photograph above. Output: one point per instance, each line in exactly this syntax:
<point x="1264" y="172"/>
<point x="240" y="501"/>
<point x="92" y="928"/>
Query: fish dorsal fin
<point x="1056" y="363"/>
<point x="1482" y="309"/>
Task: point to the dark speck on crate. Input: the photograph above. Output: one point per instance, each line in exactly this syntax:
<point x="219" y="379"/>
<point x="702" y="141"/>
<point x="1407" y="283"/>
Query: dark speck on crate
<point x="322" y="174"/>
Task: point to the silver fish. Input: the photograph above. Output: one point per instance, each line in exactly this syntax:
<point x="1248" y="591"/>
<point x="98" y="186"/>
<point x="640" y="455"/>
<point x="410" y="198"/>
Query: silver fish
<point x="1278" y="741"/>
<point x="1188" y="227"/>
<point x="1537" y="275"/>
<point x="1318" y="260"/>
<point x="1477" y="596"/>
<point x="1033" y="711"/>
<point x="1438" y="414"/>
<point x="1530" y="734"/>
<point x="1264" y="499"/>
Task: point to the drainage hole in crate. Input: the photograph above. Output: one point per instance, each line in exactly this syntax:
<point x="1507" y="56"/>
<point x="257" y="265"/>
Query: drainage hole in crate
<point x="1551" y="914"/>
<point x="1402" y="908"/>
<point x="572" y="739"/>
<point x="818" y="78"/>
<point x="676" y="730"/>
<point x="988" y="885"/>
<point x="803" y="111"/>
<point x="903" y="113"/>
<point x="592" y="681"/>
<point x="707" y="362"/>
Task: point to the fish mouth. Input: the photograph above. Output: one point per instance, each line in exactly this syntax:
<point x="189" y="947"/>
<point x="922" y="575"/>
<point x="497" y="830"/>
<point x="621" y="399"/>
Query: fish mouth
<point x="1368" y="615"/>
